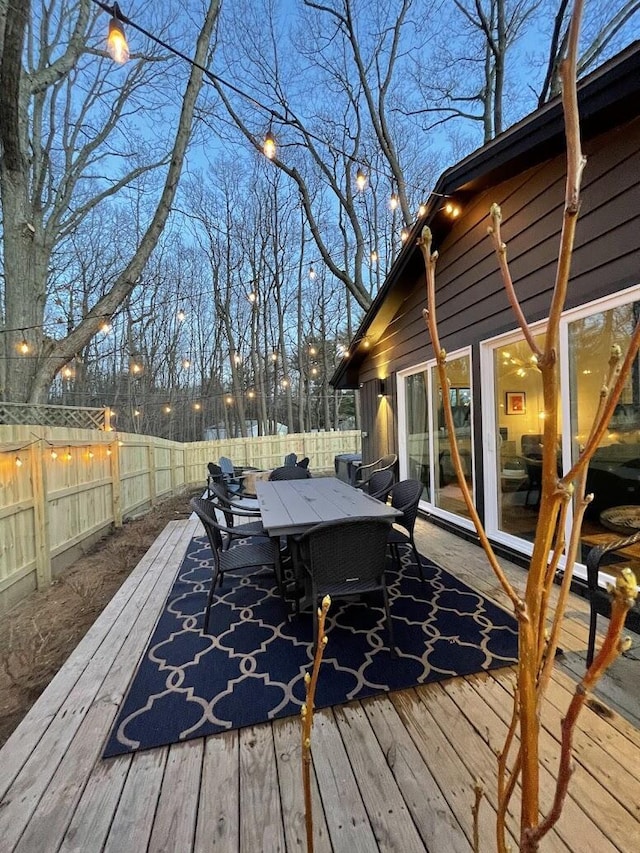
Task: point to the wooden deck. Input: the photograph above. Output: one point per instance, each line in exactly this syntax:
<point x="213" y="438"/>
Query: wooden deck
<point x="394" y="773"/>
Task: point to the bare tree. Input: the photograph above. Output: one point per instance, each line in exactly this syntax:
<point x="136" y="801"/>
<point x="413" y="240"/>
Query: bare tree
<point x="539" y="618"/>
<point x="60" y="109"/>
<point x="344" y="120"/>
<point x="608" y="23"/>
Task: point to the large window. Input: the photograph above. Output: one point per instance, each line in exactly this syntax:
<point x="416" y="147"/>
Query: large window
<point x="614" y="471"/>
<point x="425" y="447"/>
<point x="514" y="420"/>
<point x="518" y="417"/>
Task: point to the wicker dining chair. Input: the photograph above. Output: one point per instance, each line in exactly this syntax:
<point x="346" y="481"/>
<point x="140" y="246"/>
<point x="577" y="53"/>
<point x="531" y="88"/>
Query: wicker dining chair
<point x="231" y="510"/>
<point x="405" y="496"/>
<point x="244" y="555"/>
<point x="344" y="558"/>
<point x="379" y="485"/>
<point x="289" y="472"/>
<point x="363" y="473"/>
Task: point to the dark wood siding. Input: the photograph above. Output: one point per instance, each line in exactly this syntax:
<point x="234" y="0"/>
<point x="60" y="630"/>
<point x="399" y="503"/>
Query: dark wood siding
<point x="471" y="303"/>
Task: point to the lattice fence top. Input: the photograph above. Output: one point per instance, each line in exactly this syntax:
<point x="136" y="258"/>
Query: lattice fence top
<point x="19" y="414"/>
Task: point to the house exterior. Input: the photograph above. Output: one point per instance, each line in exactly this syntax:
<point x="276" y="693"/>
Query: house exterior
<point x="496" y="389"/>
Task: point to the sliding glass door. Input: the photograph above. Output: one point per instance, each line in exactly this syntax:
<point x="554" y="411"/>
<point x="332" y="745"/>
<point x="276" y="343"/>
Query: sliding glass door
<point x="424" y="437"/>
<point x="513" y="419"/>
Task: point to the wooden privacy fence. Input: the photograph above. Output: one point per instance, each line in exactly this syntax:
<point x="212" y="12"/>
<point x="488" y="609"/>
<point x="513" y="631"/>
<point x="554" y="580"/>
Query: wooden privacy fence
<point x="62" y="489"/>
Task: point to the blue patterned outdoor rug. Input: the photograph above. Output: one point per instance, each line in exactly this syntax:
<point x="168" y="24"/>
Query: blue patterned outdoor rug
<point x="251" y="669"/>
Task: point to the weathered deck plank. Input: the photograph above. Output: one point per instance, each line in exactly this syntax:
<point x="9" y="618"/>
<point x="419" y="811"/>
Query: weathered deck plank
<point x="392" y="773"/>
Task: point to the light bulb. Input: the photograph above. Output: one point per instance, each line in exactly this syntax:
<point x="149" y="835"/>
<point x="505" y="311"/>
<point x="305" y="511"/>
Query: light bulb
<point x="312" y="273"/>
<point x="269" y="146"/>
<point x="19" y="462"/>
<point x="117" y="46"/>
<point x="361" y="180"/>
<point x="197" y="407"/>
<point x="404" y="235"/>
<point x="374" y="257"/>
<point x="394" y="201"/>
<point x="181" y="315"/>
<point x="54" y="454"/>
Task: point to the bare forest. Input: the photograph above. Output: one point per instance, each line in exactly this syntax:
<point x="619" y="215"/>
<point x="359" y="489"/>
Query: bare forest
<point x="156" y="262"/>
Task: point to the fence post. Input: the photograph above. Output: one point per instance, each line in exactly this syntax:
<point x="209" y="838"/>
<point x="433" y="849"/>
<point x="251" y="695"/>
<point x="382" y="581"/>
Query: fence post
<point x="40" y="515"/>
<point x="116" y="488"/>
<point x="151" y="456"/>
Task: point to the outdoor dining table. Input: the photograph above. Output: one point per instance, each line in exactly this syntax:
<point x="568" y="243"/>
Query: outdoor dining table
<point x="290" y="507"/>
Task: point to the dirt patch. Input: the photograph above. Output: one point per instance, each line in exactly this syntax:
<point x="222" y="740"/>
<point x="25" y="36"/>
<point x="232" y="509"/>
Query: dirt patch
<point x="39" y="634"/>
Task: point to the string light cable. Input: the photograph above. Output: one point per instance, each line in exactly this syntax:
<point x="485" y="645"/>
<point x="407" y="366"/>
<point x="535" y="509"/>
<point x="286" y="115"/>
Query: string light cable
<point x="118" y="19"/>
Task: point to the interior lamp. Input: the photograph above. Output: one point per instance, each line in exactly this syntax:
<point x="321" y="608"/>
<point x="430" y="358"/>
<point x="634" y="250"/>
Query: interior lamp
<point x="117" y="46"/>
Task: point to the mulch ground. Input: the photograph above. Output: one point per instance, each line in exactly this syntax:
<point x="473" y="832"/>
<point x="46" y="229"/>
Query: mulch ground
<point x="39" y="634"/>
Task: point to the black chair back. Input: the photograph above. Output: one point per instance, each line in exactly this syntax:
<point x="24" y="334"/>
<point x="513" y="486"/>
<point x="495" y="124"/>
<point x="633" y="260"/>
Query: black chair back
<point x="206" y="512"/>
<point x="290" y="459"/>
<point x="289" y="472"/>
<point x="349" y="551"/>
<point x="405" y="496"/>
<point x="379" y="485"/>
<point x="303" y="463"/>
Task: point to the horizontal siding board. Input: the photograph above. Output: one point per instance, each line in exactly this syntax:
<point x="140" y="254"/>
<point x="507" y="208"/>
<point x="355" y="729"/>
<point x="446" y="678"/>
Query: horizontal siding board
<point x="606" y="248"/>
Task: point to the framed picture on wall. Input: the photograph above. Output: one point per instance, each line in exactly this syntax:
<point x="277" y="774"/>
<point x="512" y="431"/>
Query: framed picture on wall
<point x="515" y="403"/>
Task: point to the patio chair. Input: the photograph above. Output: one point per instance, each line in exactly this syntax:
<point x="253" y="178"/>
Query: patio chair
<point x="214" y="475"/>
<point x="379" y="485"/>
<point x="242" y="556"/>
<point x="290" y="459"/>
<point x="231" y="509"/>
<point x="405" y="496"/>
<point x="344" y="558"/>
<point x="231" y="474"/>
<point x="363" y="473"/>
<point x="599" y="599"/>
<point x="289" y="472"/>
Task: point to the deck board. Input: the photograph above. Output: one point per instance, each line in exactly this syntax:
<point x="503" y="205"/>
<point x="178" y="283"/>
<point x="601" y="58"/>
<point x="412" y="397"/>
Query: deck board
<point x="391" y="773"/>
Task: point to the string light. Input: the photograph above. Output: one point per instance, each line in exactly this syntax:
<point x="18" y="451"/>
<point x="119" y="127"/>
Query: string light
<point x="23" y="347"/>
<point x="274" y="356"/>
<point x="228" y="400"/>
<point x="67" y="372"/>
<point x="186" y="363"/>
<point x="19" y="462"/>
<point x="136" y="413"/>
<point x="452" y="210"/>
<point x="253" y="297"/>
<point x="269" y="145"/>
<point x="117" y="46"/>
<point x="54" y="454"/>
<point x="167" y="409"/>
<point x="105" y="327"/>
<point x="197" y="407"/>
<point x="181" y="315"/>
<point x="313" y="350"/>
<point x="404" y="235"/>
<point x="68" y="456"/>
<point x="361" y="180"/>
<point x="312" y="273"/>
<point x="394" y="201"/>
<point x="374" y="256"/>
<point x="422" y="209"/>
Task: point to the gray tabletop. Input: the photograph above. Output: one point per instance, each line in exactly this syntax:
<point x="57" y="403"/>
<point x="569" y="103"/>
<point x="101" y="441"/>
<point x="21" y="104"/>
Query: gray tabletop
<point x="292" y="506"/>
